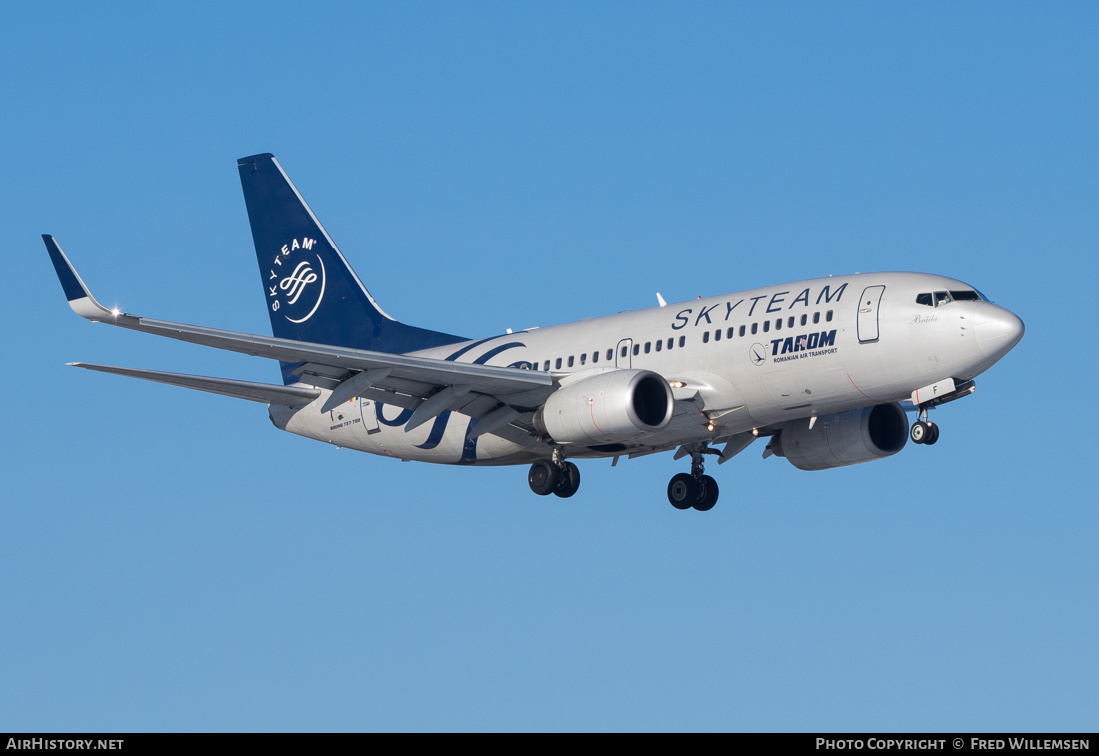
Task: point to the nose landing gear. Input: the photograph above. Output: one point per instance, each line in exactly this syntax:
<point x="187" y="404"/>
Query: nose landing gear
<point x="924" y="431"/>
<point x="687" y="490"/>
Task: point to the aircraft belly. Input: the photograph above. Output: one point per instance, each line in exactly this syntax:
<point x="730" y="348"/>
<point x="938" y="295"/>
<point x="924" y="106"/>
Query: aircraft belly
<point x="443" y="440"/>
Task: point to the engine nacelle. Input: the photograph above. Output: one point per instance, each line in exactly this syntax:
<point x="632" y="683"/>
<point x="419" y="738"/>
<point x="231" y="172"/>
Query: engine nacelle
<point x="846" y="438"/>
<point x="610" y="407"/>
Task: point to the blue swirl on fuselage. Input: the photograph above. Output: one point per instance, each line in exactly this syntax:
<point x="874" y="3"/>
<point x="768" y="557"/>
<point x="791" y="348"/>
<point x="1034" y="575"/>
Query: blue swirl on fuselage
<point x="398" y="421"/>
<point x="469" y="447"/>
<point x="467" y="347"/>
<point x="438" y="428"/>
<point x="497" y="350"/>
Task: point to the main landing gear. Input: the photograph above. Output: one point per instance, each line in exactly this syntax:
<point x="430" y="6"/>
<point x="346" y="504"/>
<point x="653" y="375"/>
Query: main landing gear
<point x="687" y="490"/>
<point x="557" y="477"/>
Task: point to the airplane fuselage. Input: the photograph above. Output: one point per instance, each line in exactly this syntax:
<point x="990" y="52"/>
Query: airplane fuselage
<point x="762" y="357"/>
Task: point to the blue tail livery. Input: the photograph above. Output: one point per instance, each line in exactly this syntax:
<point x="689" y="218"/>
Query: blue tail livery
<point x="311" y="292"/>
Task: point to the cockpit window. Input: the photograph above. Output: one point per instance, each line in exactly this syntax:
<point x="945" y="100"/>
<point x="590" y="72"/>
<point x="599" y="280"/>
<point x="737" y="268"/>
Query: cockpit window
<point x="940" y="298"/>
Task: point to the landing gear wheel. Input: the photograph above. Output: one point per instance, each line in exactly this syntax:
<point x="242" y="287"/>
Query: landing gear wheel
<point x="932" y="434"/>
<point x="542" y="477"/>
<point x="707" y="494"/>
<point x="920" y="432"/>
<point x="568" y="480"/>
<point x="683" y="491"/>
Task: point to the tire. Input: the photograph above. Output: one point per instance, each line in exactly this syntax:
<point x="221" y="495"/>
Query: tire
<point x="568" y="480"/>
<point x="682" y="491"/>
<point x="707" y="494"/>
<point x="932" y="435"/>
<point x="920" y="432"/>
<point x="542" y="477"/>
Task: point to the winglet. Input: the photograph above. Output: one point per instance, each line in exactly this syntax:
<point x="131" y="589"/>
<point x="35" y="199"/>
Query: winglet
<point x="80" y="299"/>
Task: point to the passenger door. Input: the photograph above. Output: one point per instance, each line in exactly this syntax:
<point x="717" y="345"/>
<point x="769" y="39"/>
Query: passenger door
<point x="868" y="314"/>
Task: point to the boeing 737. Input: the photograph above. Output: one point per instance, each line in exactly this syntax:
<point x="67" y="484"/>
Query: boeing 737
<point x="824" y="369"/>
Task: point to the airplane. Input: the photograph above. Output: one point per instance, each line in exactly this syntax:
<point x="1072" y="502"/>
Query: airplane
<point x="825" y="369"/>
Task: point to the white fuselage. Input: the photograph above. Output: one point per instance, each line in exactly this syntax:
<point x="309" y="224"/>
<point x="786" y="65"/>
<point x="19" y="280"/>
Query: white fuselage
<point x="747" y="360"/>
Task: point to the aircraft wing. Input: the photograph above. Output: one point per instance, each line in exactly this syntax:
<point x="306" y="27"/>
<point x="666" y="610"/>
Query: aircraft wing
<point x="426" y="385"/>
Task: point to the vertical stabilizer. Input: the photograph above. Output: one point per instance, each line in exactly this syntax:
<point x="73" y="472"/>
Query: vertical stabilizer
<point x="311" y="293"/>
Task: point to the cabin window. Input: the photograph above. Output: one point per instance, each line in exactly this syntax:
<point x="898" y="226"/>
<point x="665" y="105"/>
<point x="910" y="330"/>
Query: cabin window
<point x="671" y="342"/>
<point x="790" y="322"/>
<point x="636" y="349"/>
<point x="816" y="317"/>
<point x="755" y="327"/>
<point x="659" y="345"/>
<point x="729" y="333"/>
<point x="584" y="358"/>
<point x="682" y="340"/>
<point x="595" y="356"/>
<point x="925" y="299"/>
<point x="705" y="337"/>
<point x="546" y="366"/>
<point x="557" y="364"/>
<point x="828" y="316"/>
<point x="742" y="330"/>
<point x="610" y="353"/>
<point x="648" y="346"/>
<point x="717" y="335"/>
<point x="624" y="351"/>
<point x="766" y="326"/>
<point x="804" y="318"/>
<point x="778" y="324"/>
<point x="570" y="360"/>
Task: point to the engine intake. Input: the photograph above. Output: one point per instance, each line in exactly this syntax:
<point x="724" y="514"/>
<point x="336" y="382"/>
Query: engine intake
<point x="846" y="438"/>
<point x="614" y="406"/>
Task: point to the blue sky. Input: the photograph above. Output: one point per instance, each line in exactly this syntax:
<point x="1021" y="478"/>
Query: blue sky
<point x="170" y="561"/>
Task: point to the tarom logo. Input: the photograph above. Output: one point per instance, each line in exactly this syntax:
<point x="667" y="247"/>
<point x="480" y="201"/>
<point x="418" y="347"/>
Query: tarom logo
<point x="297" y="280"/>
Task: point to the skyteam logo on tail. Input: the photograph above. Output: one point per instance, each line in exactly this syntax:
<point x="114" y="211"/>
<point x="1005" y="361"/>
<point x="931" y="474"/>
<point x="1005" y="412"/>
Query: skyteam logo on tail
<point x="295" y="287"/>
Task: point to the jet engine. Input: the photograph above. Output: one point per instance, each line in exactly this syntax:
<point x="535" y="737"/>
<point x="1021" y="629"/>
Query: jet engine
<point x="614" y="406"/>
<point x="846" y="438"/>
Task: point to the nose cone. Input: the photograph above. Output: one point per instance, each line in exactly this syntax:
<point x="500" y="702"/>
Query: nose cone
<point x="997" y="330"/>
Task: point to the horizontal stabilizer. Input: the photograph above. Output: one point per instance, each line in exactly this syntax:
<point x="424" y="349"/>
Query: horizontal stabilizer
<point x="264" y="393"/>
